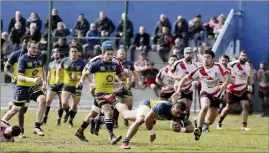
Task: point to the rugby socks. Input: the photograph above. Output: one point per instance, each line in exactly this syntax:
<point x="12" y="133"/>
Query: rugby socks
<point x="67" y="110"/>
<point x="99" y="120"/>
<point x="109" y="127"/>
<point x="126" y="140"/>
<point x="72" y="114"/>
<point x="47" y="109"/>
<point x="83" y="126"/>
<point x="60" y="113"/>
<point x="115" y="116"/>
<point x="221" y="119"/>
<point x="244" y="124"/>
<point x="37" y="125"/>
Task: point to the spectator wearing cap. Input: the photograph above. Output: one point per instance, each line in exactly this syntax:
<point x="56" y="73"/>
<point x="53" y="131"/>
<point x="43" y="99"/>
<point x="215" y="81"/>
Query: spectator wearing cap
<point x="196" y="29"/>
<point x="164" y="45"/>
<point x="34" y="33"/>
<point x="120" y="31"/>
<point x="82" y="25"/>
<point x="163" y="22"/>
<point x="209" y="27"/>
<point x="92" y="48"/>
<point x="55" y="19"/>
<point x="16" y="34"/>
<point x="141" y="43"/>
<point x="34" y="19"/>
<point x="181" y="30"/>
<point x="61" y="31"/>
<point x="103" y="23"/>
<point x="17" y="18"/>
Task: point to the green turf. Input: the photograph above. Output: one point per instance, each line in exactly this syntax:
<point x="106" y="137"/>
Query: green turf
<point x="62" y="139"/>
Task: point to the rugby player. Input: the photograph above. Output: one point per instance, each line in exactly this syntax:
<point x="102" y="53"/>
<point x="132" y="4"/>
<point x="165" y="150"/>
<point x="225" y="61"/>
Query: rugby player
<point x="30" y="78"/>
<point x="165" y="80"/>
<point x="105" y="73"/>
<point x="252" y="81"/>
<point x="209" y="75"/>
<point x="13" y="62"/>
<point x="150" y="110"/>
<point x="54" y="89"/>
<point x="237" y="90"/>
<point x="182" y="68"/>
<point x="263" y="88"/>
<point x="8" y="132"/>
<point x="72" y="67"/>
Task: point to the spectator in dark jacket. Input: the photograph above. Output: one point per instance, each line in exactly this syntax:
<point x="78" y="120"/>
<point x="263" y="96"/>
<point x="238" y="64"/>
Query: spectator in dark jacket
<point x="34" y="33"/>
<point x="17" y="18"/>
<point x="103" y="23"/>
<point x="82" y="25"/>
<point x="16" y="34"/>
<point x="165" y="43"/>
<point x="55" y="18"/>
<point x="34" y="19"/>
<point x="141" y="43"/>
<point x="61" y="31"/>
<point x="120" y="31"/>
<point x="63" y="47"/>
<point x="181" y="30"/>
<point x="92" y="48"/>
<point x="196" y="29"/>
<point x="163" y="22"/>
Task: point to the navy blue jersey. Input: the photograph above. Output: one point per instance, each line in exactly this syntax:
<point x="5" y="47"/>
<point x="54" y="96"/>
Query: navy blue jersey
<point x="163" y="111"/>
<point x="128" y="65"/>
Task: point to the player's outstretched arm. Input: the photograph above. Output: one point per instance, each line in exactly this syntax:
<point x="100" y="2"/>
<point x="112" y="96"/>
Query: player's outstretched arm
<point x="227" y="81"/>
<point x="149" y="124"/>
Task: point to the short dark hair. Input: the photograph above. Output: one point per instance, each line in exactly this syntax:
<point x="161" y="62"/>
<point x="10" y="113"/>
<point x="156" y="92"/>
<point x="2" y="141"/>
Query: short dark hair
<point x="249" y="61"/>
<point x="31" y="42"/>
<point x="173" y="55"/>
<point x="226" y="57"/>
<point x="243" y="51"/>
<point x="15" y="130"/>
<point x="210" y="52"/>
<point x="180" y="105"/>
<point x="73" y="46"/>
<point x="25" y="37"/>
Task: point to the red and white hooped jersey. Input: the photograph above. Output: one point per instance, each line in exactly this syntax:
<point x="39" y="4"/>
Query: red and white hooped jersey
<point x="3" y="126"/>
<point x="168" y="82"/>
<point x="239" y="74"/>
<point x="181" y="68"/>
<point x="210" y="78"/>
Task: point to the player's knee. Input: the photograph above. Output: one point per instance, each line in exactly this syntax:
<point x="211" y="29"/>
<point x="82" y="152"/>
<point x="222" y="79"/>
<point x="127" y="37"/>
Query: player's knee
<point x="140" y="120"/>
<point x="41" y="99"/>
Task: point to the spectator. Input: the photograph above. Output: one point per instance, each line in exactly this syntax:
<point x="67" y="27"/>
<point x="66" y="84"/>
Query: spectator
<point x="209" y="27"/>
<point x="61" y="31"/>
<point x="218" y="27"/>
<point x="252" y="80"/>
<point x="55" y="19"/>
<point x="16" y="34"/>
<point x="141" y="43"/>
<point x="120" y="31"/>
<point x="103" y="34"/>
<point x="196" y="29"/>
<point x="92" y="48"/>
<point x="82" y="25"/>
<point x="163" y="22"/>
<point x="43" y="47"/>
<point x="141" y="64"/>
<point x="198" y="54"/>
<point x="63" y="47"/>
<point x="34" y="33"/>
<point x="103" y="23"/>
<point x="34" y="19"/>
<point x="6" y="46"/>
<point x="181" y="30"/>
<point x="74" y="42"/>
<point x="17" y="18"/>
<point x="165" y="43"/>
<point x="178" y="48"/>
<point x="150" y="77"/>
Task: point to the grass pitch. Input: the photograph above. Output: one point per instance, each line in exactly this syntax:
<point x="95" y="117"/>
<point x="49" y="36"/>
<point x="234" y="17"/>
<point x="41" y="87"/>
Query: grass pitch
<point x="62" y="139"/>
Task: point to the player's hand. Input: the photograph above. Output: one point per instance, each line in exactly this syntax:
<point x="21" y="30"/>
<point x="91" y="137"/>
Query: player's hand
<point x="80" y="84"/>
<point x="250" y="88"/>
<point x="152" y="138"/>
<point x="195" y="83"/>
<point x="38" y="81"/>
<point x="73" y="76"/>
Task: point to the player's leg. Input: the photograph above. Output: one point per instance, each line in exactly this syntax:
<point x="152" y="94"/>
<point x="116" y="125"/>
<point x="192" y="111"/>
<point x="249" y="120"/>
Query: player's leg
<point x="21" y="113"/>
<point x="210" y="118"/>
<point x="74" y="108"/>
<point x="125" y="112"/>
<point x="262" y="97"/>
<point x="205" y="103"/>
<point x="38" y="96"/>
<point x="49" y="97"/>
<point x="245" y="106"/>
<point x="230" y="100"/>
<point x="60" y="109"/>
<point x="108" y="112"/>
<point x="128" y="101"/>
<point x="65" y="99"/>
